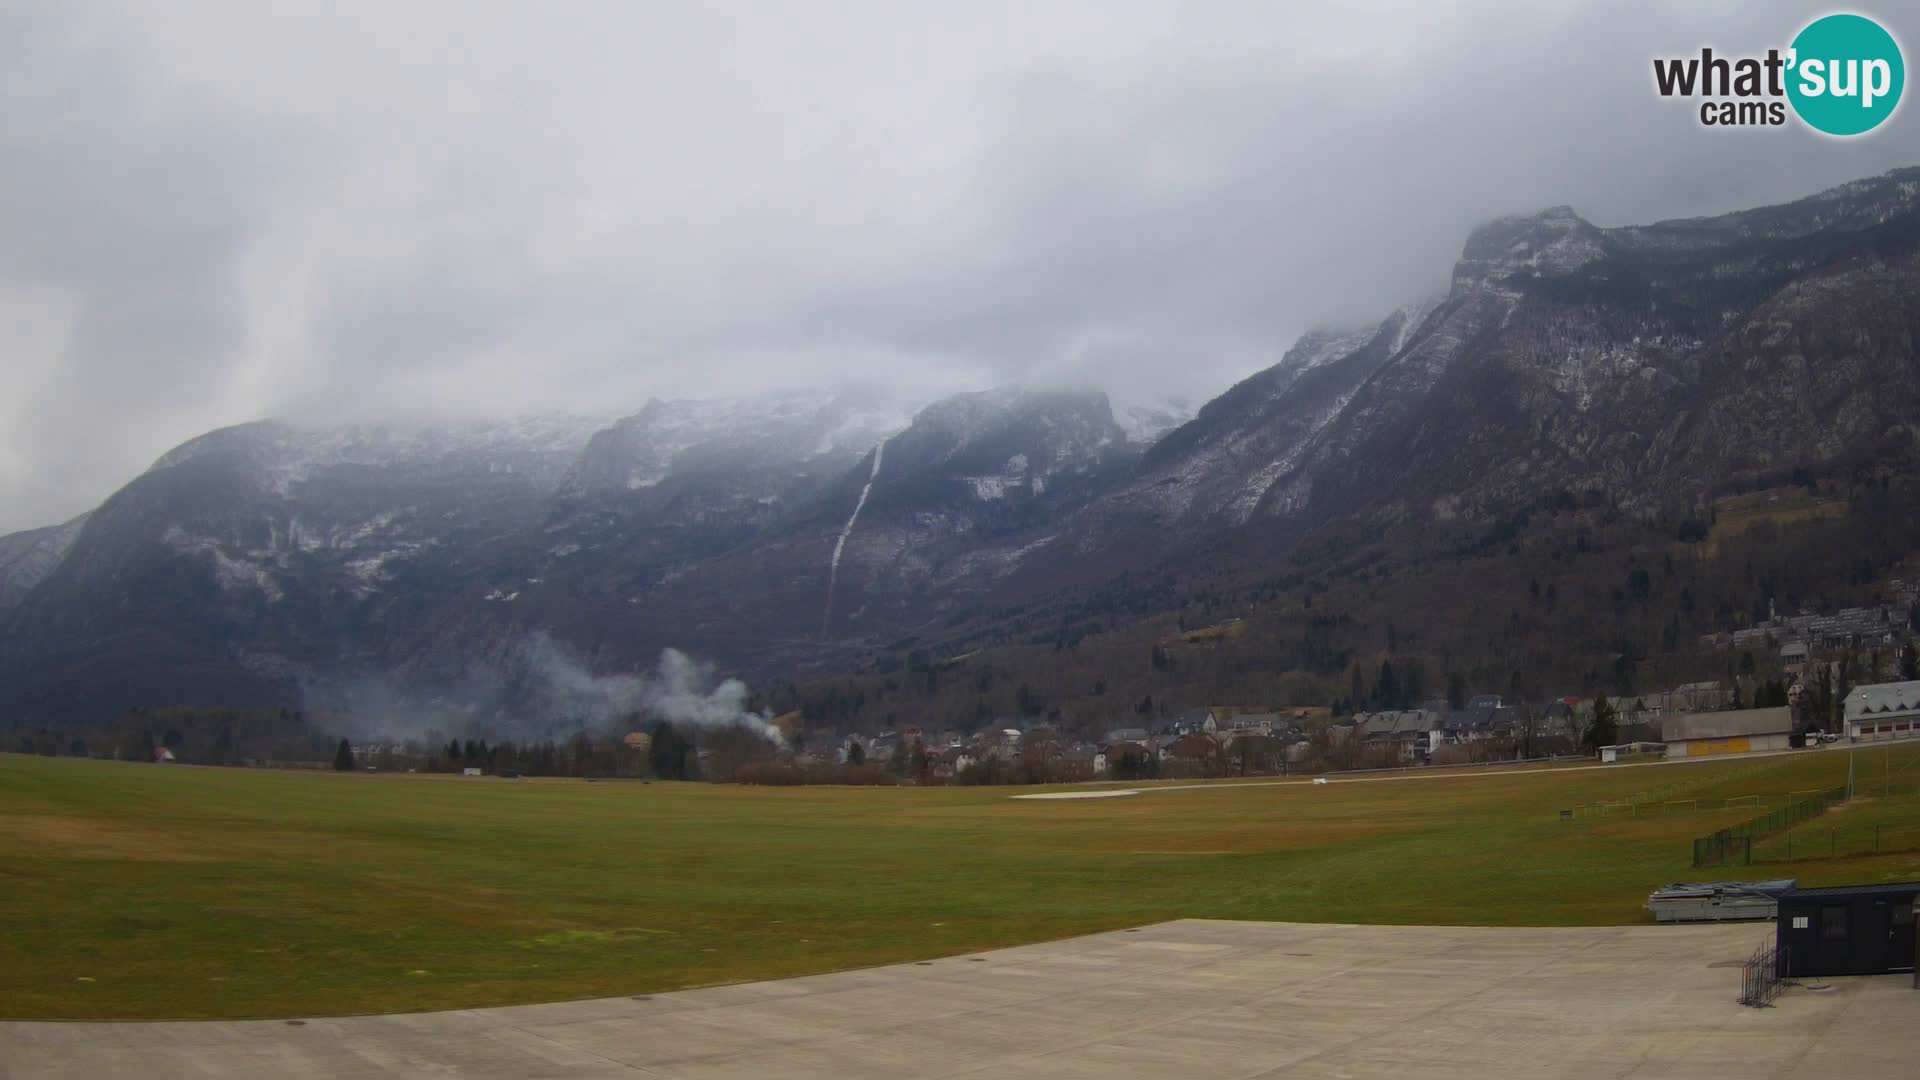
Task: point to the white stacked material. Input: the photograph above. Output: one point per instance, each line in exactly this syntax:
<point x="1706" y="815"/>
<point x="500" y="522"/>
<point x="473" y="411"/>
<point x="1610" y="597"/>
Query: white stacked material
<point x="1715" y="900"/>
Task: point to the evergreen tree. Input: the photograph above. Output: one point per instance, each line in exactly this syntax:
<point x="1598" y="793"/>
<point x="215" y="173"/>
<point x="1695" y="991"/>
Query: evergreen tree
<point x="1386" y="689"/>
<point x="1606" y="724"/>
<point x="856" y="754"/>
<point x="667" y="754"/>
<point x="1840" y="692"/>
<point x="343" y="757"/>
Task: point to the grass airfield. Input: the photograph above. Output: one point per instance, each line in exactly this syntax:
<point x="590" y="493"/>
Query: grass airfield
<point x="136" y="891"/>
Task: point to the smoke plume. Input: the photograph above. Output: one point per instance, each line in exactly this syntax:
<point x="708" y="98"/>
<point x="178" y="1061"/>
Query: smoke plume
<point x="680" y="690"/>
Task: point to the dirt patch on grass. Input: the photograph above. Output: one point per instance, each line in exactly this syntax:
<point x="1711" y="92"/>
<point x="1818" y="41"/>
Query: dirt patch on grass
<point x="48" y="836"/>
<point x="56" y="836"/>
<point x="1247" y="840"/>
<point x="561" y="938"/>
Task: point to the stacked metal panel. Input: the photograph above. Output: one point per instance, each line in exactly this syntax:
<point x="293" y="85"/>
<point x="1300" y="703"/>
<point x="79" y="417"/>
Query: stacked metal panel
<point x="1711" y="901"/>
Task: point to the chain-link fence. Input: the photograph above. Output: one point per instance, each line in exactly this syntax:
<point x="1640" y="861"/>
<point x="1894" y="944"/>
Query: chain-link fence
<point x="1734" y="845"/>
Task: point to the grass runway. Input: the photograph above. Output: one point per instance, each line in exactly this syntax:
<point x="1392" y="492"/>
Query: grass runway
<point x="138" y="891"/>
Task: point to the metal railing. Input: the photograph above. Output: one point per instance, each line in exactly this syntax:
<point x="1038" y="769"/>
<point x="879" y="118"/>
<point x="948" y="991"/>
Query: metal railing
<point x="1762" y="976"/>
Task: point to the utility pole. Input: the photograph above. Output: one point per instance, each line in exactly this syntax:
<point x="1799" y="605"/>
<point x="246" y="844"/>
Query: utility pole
<point x="1850" y="754"/>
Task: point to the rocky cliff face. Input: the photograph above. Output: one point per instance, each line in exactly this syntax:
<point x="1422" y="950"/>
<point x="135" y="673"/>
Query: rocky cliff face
<point x="1221" y="465"/>
<point x="26" y="558"/>
<point x="1649" y="364"/>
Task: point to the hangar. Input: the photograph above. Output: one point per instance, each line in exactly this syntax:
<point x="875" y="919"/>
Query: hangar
<point x="1737" y="731"/>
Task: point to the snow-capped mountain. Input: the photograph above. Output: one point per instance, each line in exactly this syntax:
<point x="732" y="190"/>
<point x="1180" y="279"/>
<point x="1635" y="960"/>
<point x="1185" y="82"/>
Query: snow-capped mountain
<point x="945" y="505"/>
<point x="1223" y="462"/>
<point x="1145" y="420"/>
<point x="1644" y="367"/>
<point x="816" y="432"/>
<point x="26" y="558"/>
<point x="960" y="493"/>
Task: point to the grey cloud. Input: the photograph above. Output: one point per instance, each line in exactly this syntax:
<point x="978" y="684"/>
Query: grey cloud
<point x="214" y="215"/>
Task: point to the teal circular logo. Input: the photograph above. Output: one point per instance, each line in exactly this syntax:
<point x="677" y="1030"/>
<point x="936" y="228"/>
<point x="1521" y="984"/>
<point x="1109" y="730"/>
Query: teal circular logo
<point x="1846" y="74"/>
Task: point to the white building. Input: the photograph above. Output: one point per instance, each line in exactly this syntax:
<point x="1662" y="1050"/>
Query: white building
<point x="1883" y="711"/>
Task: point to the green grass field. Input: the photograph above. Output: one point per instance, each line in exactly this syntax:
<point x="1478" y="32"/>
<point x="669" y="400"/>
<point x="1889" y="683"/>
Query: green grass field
<point x="149" y="891"/>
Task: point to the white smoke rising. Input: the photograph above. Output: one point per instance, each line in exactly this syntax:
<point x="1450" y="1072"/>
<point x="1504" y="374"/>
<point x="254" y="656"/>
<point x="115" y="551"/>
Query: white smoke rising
<point x="833" y="568"/>
<point x="680" y="690"/>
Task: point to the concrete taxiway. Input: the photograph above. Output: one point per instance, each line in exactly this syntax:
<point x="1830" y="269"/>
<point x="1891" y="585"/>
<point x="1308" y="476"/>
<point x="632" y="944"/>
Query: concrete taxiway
<point x="1188" y="998"/>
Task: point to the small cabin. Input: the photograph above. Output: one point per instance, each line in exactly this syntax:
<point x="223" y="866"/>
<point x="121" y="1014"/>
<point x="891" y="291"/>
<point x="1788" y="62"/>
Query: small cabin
<point x="1848" y="929"/>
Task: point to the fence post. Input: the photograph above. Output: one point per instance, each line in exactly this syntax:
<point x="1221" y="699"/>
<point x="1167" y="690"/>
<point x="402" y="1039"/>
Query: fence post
<point x="1876" y="839"/>
<point x="1829" y="843"/>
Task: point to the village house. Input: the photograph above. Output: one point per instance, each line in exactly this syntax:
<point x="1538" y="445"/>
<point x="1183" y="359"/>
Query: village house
<point x="1640" y="707"/>
<point x="1794" y="656"/>
<point x="1696" y="697"/>
<point x="1261" y="723"/>
<point x="949" y="761"/>
<point x="1201" y="720"/>
<point x="1192" y="747"/>
<point x="1413" y="733"/>
<point x="1085" y="760"/>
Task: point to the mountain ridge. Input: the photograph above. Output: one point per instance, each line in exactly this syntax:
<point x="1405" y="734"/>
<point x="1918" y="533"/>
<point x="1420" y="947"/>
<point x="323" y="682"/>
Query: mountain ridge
<point x="1646" y="367"/>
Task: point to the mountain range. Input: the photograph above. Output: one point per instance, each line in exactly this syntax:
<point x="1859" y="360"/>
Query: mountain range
<point x="1649" y="368"/>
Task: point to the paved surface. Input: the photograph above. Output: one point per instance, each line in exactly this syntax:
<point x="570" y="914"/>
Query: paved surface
<point x="1190" y="998"/>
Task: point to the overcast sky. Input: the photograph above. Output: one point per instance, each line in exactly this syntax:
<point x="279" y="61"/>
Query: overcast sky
<point x="213" y="212"/>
